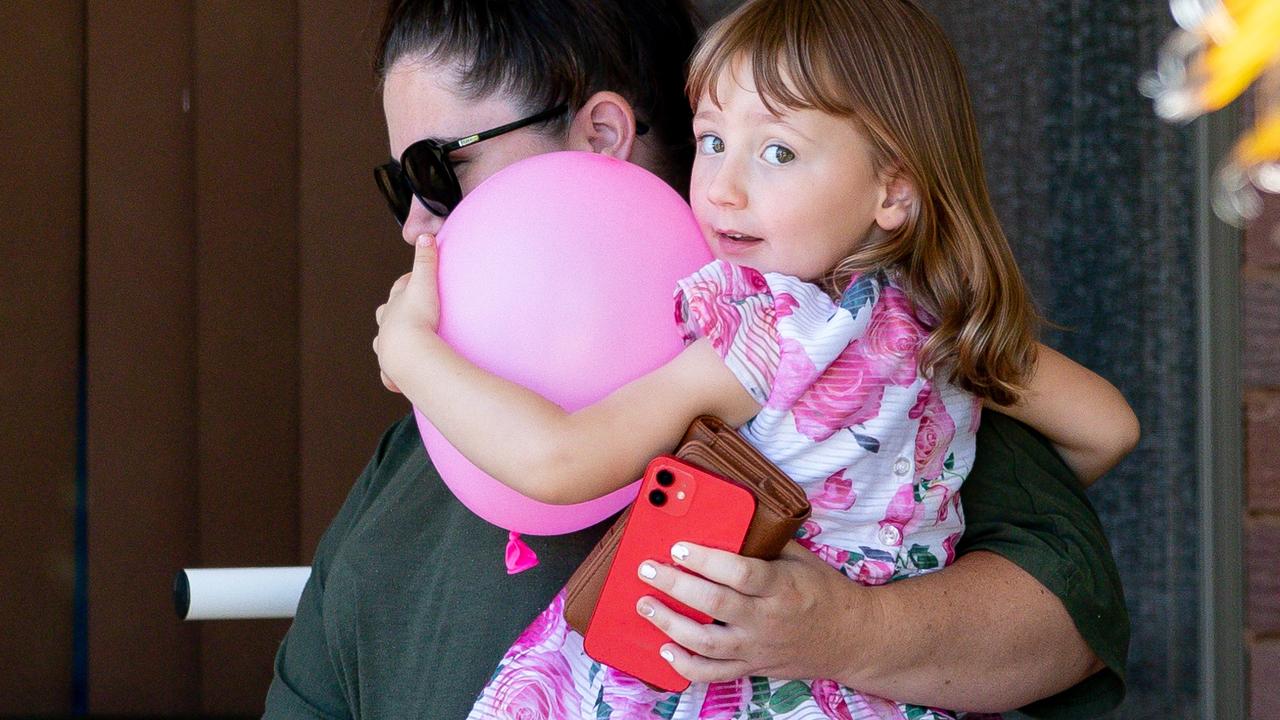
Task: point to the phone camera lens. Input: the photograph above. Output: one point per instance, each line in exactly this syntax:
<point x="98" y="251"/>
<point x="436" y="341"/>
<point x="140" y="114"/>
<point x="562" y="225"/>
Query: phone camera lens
<point x="657" y="498"/>
<point x="665" y="478"/>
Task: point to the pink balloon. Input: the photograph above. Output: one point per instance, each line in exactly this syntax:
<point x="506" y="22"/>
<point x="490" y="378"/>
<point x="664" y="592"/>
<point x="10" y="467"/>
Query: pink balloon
<point x="558" y="273"/>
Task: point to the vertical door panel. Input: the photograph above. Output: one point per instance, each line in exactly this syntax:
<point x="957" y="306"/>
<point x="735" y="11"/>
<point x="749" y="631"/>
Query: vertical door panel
<point x="350" y="255"/>
<point x="141" y="347"/>
<point x="40" y="226"/>
<point x="246" y="168"/>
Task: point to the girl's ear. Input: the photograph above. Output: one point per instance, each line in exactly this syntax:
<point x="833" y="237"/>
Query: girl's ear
<point x="897" y="201"/>
<point x="605" y="124"/>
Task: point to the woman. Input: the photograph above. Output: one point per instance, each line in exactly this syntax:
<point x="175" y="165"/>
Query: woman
<point x="407" y="610"/>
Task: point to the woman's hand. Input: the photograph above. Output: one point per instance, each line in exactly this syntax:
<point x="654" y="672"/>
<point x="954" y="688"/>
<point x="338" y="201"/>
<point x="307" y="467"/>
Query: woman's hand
<point x="412" y="310"/>
<point x="781" y="618"/>
<point x="1010" y="641"/>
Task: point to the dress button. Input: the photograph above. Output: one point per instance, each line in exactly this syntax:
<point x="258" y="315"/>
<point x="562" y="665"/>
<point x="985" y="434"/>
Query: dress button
<point x="890" y="535"/>
<point x="902" y="466"/>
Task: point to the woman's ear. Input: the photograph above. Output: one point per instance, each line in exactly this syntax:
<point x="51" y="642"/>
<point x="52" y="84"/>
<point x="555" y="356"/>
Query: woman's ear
<point x="605" y="124"/>
<point x="897" y="202"/>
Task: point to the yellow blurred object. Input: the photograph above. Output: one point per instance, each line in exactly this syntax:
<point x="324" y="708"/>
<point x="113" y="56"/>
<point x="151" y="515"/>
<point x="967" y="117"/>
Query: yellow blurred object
<point x="1261" y="145"/>
<point x="1222" y="48"/>
<point x="1235" y="61"/>
<point x="1216" y="18"/>
<point x="1221" y="23"/>
<point x="1252" y="169"/>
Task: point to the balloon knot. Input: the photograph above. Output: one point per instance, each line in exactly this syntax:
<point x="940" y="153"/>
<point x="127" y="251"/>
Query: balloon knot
<point x="520" y="557"/>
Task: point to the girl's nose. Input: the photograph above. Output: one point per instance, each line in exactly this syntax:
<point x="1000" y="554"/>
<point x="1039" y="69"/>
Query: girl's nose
<point x="726" y="188"/>
<point x="420" y="221"/>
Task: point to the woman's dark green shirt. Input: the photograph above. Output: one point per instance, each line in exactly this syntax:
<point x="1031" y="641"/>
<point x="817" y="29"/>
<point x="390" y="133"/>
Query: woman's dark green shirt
<point x="409" y="606"/>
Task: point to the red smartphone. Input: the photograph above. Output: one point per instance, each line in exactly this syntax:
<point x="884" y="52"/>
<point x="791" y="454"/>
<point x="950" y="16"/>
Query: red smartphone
<point x="677" y="501"/>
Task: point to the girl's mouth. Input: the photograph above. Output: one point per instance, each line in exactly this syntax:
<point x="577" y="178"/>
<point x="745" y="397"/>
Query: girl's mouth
<point x="732" y="240"/>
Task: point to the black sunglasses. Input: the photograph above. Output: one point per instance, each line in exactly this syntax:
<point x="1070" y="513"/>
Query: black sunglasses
<point x="424" y="170"/>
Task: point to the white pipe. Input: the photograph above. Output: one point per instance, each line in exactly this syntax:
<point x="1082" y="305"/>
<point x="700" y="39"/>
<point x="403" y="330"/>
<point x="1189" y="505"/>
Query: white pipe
<point x="238" y="593"/>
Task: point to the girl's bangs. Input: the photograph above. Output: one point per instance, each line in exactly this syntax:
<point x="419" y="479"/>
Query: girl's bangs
<point x="791" y="70"/>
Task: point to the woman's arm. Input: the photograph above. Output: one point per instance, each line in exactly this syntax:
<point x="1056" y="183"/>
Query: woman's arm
<point x="1084" y="416"/>
<point x="982" y="635"/>
<point x="1029" y="608"/>
<point x="1000" y="640"/>
<point x="526" y="441"/>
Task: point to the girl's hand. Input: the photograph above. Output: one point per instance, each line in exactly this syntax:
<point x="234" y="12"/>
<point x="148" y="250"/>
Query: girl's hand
<point x="411" y="311"/>
<point x="782" y="618"/>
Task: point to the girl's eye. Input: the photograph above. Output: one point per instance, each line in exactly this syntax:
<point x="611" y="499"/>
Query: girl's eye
<point x="710" y="144"/>
<point x="778" y="155"/>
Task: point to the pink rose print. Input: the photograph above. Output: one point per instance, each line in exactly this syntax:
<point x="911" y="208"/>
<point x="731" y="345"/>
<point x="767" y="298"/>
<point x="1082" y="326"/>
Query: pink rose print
<point x="795" y="374"/>
<point x="718" y="307"/>
<point x="830" y="699"/>
<point x="949" y="547"/>
<point x="784" y="304"/>
<point x="725" y="700"/>
<point x="742" y="281"/>
<point x="945" y="505"/>
<point x="851" y="389"/>
<point x="629" y="697"/>
<point x="935" y="434"/>
<point x="829" y="554"/>
<point x="903" y="511"/>
<point x="810" y="530"/>
<point x="542" y="690"/>
<point x="710" y="315"/>
<point x="882" y="709"/>
<point x="847" y="394"/>
<point x="872" y="572"/>
<point x="893" y="337"/>
<point x="837" y="493"/>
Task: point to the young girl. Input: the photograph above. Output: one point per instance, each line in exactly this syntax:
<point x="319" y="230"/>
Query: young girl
<point x="863" y="306"/>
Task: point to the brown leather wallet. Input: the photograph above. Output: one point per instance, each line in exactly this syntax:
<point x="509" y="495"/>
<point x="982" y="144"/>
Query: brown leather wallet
<point x="781" y="507"/>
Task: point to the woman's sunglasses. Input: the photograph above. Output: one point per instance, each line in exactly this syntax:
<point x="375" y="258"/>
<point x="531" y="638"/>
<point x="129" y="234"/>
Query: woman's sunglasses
<point x="424" y="170"/>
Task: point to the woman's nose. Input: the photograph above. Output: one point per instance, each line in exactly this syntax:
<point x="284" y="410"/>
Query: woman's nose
<point x="420" y="221"/>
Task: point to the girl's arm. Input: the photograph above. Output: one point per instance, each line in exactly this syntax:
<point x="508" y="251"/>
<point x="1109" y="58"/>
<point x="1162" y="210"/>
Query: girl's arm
<point x="526" y="441"/>
<point x="1084" y="416"/>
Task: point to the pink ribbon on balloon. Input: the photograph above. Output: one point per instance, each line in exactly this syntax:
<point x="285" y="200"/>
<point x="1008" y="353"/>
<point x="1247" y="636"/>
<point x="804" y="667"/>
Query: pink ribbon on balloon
<point x="519" y="556"/>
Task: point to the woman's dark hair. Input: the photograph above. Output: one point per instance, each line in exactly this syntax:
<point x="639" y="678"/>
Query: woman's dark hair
<point x="547" y="52"/>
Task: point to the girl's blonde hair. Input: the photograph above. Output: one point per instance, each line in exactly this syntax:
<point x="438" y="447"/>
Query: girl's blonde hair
<point x="887" y="66"/>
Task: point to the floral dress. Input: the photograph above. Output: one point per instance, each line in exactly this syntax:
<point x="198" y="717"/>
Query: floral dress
<point x="879" y="449"/>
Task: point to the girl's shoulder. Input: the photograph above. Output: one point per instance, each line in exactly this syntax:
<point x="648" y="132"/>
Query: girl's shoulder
<point x="751" y="319"/>
<point x="726" y="282"/>
<point x="723" y="280"/>
<point x="771" y="315"/>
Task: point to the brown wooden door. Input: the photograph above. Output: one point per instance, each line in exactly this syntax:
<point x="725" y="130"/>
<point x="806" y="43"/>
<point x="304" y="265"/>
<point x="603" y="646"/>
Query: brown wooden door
<point x="188" y="201"/>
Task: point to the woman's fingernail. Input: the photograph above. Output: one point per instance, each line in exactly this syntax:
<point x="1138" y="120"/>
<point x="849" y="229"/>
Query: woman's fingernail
<point x="680" y="552"/>
<point x="646" y="609"/>
<point x="647" y="571"/>
<point x="424" y="239"/>
<point x="667" y="655"/>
